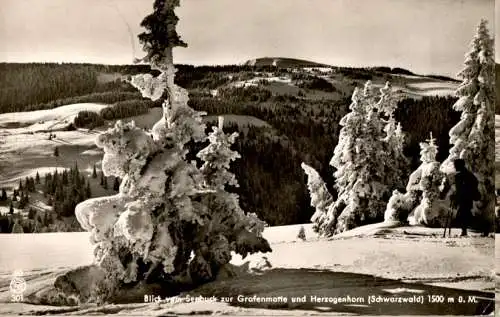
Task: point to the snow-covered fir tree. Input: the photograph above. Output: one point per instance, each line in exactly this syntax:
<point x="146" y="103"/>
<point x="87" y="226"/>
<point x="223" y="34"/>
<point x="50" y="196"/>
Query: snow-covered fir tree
<point x="370" y="139"/>
<point x="421" y="204"/>
<point x="371" y="184"/>
<point x="321" y="199"/>
<point x="396" y="165"/>
<point x="171" y="222"/>
<point x="217" y="157"/>
<point x="225" y="211"/>
<point x="473" y="136"/>
<point x="347" y="210"/>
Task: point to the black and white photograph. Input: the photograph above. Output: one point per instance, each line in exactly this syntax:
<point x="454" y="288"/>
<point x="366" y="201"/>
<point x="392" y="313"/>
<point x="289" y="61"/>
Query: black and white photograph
<point x="249" y="158"/>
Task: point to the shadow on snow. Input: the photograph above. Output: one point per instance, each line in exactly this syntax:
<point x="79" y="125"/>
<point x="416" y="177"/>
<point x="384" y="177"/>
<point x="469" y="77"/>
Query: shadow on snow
<point x="321" y="283"/>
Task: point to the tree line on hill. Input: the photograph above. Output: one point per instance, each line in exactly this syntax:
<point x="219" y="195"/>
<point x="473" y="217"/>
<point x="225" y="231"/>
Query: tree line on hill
<point x="124" y="109"/>
<point x="36" y="86"/>
<point x="28" y="84"/>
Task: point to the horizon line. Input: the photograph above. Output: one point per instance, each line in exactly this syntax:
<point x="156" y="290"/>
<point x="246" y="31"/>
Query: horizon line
<point x="320" y="64"/>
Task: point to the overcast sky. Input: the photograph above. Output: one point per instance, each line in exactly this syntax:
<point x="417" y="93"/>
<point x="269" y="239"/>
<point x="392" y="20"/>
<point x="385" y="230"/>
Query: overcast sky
<point x="426" y="36"/>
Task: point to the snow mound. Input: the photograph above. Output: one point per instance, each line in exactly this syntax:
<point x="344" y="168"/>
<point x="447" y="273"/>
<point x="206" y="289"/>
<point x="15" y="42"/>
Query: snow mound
<point x="367" y="230"/>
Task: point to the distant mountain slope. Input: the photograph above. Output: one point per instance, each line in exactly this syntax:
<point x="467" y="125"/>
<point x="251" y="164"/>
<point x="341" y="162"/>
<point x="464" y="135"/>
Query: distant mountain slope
<point x="283" y="62"/>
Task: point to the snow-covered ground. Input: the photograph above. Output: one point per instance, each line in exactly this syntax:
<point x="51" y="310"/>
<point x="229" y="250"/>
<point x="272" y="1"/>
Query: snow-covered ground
<point x="419" y="86"/>
<point x="376" y="260"/>
<point x="25" y="154"/>
<point x="318" y="69"/>
<point x="41" y="120"/>
<point x="256" y="81"/>
<point x="431" y="88"/>
<point x="25" y="148"/>
<point x="29" y="252"/>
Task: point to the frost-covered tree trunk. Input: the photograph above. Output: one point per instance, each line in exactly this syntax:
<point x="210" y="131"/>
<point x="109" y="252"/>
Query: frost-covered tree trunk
<point x="368" y="143"/>
<point x="171" y="222"/>
<point x="473" y="136"/>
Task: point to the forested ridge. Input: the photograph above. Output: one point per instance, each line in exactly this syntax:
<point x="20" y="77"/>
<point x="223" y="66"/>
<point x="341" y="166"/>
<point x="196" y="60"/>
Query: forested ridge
<point x="35" y="86"/>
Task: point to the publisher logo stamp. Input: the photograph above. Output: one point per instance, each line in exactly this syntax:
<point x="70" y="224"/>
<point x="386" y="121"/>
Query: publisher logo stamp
<point x="17" y="286"/>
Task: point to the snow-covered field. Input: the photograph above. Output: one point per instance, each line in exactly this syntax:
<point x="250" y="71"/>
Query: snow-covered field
<point x="256" y="81"/>
<point x="25" y="154"/>
<point x="25" y="147"/>
<point x="149" y="119"/>
<point x="29" y="251"/>
<point x="411" y="86"/>
<point x="419" y="86"/>
<point x="431" y="88"/>
<point x="40" y="120"/>
<point x="386" y="261"/>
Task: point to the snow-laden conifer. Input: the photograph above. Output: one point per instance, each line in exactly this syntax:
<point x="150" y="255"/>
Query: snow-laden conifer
<point x="396" y="163"/>
<point x="167" y="208"/>
<point x="473" y="136"/>
<point x="321" y="199"/>
<point x="421" y="204"/>
<point x="217" y="157"/>
<point x="366" y="160"/>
